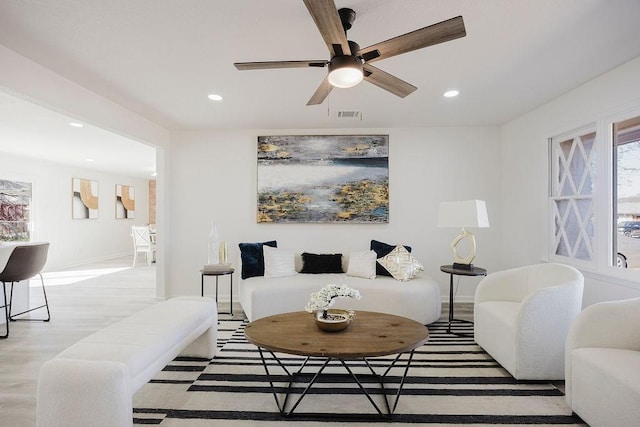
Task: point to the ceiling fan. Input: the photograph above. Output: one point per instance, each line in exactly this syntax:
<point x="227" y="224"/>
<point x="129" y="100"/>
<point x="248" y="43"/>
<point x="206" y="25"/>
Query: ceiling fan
<point x="349" y="64"/>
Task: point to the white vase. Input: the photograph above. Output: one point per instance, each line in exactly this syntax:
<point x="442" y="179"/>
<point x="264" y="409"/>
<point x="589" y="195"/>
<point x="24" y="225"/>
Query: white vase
<point x="213" y="245"/>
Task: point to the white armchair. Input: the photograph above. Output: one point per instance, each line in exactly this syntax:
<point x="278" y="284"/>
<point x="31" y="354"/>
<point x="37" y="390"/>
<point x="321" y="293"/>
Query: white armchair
<point x="522" y="317"/>
<point x="603" y="364"/>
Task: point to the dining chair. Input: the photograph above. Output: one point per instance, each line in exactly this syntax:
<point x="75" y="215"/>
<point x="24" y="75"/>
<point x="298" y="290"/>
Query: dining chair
<point x="142" y="243"/>
<point x="25" y="262"/>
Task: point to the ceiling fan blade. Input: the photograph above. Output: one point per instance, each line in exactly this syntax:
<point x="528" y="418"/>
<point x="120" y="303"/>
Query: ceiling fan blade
<point x="388" y="82"/>
<point x="321" y="93"/>
<point x="279" y="64"/>
<point x="441" y="32"/>
<point x="326" y="17"/>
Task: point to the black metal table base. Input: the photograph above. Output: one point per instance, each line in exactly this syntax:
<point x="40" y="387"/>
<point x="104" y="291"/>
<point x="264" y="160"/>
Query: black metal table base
<point x="217" y="276"/>
<point x="452" y="321"/>
<point x="287" y="409"/>
<point x="451" y="270"/>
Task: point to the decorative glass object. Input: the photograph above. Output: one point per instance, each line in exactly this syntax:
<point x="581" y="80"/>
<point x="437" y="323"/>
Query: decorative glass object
<point x="213" y="245"/>
<point x="222" y="253"/>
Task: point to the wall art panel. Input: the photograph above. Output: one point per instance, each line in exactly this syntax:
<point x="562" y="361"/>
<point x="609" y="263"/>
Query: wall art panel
<point x="125" y="202"/>
<point x="323" y="179"/>
<point x="84" y="199"/>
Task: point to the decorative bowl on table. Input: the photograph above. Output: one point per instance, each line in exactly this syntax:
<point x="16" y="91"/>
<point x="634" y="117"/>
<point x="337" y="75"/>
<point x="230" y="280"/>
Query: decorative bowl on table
<point x="334" y="320"/>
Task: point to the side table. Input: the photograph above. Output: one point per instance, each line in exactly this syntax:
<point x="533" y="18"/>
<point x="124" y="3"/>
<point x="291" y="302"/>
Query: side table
<point x="475" y="271"/>
<point x="217" y="274"/>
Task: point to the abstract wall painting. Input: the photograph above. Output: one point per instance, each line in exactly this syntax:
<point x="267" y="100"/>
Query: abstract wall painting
<point x="15" y="211"/>
<point x="323" y="179"/>
<point x="125" y="202"/>
<point x="85" y="199"/>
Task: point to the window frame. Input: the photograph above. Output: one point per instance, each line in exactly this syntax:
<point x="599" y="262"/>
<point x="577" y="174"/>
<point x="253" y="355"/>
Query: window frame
<point x="602" y="263"/>
<point x="553" y="198"/>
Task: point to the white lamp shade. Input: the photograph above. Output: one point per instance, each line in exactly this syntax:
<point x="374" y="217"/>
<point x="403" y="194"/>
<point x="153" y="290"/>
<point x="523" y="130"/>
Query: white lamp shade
<point x="464" y="214"/>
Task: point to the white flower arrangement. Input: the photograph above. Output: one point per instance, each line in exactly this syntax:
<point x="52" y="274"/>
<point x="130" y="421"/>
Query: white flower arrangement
<point x="324" y="298"/>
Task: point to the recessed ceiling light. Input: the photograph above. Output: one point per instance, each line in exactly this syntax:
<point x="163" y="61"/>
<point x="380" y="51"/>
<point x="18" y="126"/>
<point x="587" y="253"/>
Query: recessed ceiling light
<point x="215" y="97"/>
<point x="76" y="124"/>
<point x="451" y="93"/>
<point x="89" y="160"/>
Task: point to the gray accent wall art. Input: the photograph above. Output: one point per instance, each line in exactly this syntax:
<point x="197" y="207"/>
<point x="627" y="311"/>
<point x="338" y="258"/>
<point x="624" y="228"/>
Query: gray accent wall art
<point x="323" y="179"/>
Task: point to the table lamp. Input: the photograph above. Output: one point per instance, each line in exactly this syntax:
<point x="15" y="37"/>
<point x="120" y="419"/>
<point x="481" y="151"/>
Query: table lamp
<point x="464" y="214"/>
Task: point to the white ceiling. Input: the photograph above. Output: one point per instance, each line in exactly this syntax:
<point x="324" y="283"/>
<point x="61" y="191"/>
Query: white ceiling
<point x="161" y="58"/>
<point x="29" y="130"/>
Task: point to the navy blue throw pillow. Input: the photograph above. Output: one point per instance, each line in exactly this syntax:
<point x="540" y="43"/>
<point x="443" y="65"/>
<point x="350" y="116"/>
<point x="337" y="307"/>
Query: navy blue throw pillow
<point x="321" y="263"/>
<point x="382" y="249"/>
<point x="253" y="258"/>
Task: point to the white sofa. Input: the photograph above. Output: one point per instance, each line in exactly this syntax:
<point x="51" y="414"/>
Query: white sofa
<point x="522" y="317"/>
<point x="603" y="364"/>
<point x="92" y="382"/>
<point x="417" y="299"/>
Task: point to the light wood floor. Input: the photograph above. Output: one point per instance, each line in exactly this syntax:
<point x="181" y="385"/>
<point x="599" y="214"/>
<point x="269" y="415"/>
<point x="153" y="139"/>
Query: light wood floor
<point x="100" y="294"/>
<point x="82" y="300"/>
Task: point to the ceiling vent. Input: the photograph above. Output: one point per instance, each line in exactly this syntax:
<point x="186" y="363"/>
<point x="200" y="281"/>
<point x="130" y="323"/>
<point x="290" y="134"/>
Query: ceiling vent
<point x="357" y="115"/>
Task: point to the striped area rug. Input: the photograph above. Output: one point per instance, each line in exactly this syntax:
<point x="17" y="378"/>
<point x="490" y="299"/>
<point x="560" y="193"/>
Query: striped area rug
<point x="452" y="381"/>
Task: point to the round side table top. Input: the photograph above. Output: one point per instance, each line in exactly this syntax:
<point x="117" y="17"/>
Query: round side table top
<point x="475" y="271"/>
<point x="221" y="272"/>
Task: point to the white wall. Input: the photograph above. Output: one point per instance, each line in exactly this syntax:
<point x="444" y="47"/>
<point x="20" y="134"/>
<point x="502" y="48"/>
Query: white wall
<point x="76" y="241"/>
<point x="524" y="165"/>
<point x="27" y="79"/>
<point x="213" y="176"/>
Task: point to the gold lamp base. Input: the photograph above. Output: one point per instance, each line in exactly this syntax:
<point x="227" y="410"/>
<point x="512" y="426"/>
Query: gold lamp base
<point x="460" y="262"/>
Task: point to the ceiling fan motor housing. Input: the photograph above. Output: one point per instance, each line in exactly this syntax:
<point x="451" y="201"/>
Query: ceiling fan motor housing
<point x="342" y="61"/>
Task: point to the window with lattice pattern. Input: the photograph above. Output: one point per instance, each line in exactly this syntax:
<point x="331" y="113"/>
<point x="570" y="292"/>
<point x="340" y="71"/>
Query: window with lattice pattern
<point x="572" y="187"/>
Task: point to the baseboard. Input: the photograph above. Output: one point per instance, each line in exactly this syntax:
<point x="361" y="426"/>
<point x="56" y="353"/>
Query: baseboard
<point x="459" y="299"/>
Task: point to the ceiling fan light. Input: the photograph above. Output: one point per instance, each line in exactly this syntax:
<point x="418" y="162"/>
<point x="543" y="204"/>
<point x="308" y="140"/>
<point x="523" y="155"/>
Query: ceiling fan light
<point x="345" y="71"/>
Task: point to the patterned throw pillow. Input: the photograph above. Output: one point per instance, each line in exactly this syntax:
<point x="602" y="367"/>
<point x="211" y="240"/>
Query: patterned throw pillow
<point x="401" y="264"/>
<point x="383" y="249"/>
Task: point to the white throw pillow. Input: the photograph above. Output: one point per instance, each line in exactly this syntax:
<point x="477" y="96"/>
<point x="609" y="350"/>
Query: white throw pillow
<point x="362" y="264"/>
<point x="401" y="264"/>
<point x="278" y="262"/>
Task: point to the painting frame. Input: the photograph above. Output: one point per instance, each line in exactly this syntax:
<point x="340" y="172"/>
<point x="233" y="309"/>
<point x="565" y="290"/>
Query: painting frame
<point x="323" y="179"/>
<point x="125" y="201"/>
<point x="84" y="198"/>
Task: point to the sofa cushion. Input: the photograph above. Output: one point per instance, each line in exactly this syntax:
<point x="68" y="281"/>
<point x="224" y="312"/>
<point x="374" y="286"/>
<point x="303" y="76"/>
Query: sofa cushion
<point x="418" y="299"/>
<point x="145" y="337"/>
<point x="382" y="249"/>
<point x="321" y="263"/>
<point x="278" y="262"/>
<point x="253" y="258"/>
<point x="401" y="264"/>
<point x="362" y="264"/>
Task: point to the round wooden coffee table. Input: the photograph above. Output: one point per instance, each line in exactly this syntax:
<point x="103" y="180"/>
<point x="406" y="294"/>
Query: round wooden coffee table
<point x="369" y="335"/>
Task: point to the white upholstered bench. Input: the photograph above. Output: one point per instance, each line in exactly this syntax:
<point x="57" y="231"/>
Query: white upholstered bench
<point x="92" y="382"/>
